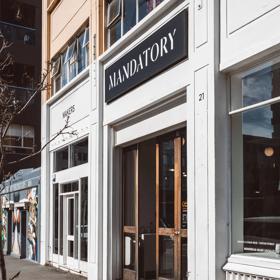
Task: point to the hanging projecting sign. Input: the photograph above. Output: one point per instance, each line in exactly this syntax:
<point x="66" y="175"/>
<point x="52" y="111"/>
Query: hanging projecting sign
<point x="164" y="48"/>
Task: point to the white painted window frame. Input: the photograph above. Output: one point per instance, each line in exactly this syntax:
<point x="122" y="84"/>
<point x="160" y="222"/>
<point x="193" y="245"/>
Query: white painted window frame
<point x="245" y="262"/>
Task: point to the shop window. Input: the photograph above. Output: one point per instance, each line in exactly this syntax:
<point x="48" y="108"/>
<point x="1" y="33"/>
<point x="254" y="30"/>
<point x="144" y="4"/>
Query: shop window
<point x="72" y="155"/>
<point x="122" y="15"/>
<point x="256" y="162"/>
<point x="73" y="60"/>
<point x="19" y="139"/>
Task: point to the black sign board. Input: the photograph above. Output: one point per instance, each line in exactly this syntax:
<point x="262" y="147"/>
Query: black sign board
<point x="164" y="48"/>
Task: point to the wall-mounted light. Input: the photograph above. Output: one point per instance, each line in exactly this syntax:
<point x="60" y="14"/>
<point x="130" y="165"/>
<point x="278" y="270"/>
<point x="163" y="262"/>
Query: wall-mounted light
<point x="269" y="151"/>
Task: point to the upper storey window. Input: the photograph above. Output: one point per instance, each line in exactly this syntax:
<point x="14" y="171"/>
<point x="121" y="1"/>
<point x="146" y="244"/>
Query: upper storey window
<point x="18" y="13"/>
<point x="71" y="61"/>
<point x="122" y="15"/>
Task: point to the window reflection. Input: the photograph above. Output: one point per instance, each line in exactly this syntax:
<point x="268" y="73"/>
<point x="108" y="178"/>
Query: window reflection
<point x="166" y="257"/>
<point x="80" y="153"/>
<point x="261" y="167"/>
<point x="166" y="188"/>
<point x="262" y="85"/>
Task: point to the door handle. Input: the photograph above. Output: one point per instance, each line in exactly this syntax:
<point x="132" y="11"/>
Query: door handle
<point x="176" y="232"/>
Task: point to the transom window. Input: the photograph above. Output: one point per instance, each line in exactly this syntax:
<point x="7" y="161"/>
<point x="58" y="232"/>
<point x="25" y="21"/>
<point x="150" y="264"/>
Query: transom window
<point x="71" y="61"/>
<point x="256" y="161"/>
<point x="122" y="15"/>
<point x="72" y="155"/>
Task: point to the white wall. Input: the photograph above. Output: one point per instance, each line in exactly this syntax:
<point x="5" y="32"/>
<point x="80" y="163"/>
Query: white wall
<point x="248" y="28"/>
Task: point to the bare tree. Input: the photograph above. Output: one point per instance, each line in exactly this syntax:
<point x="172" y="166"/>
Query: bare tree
<point x="11" y="106"/>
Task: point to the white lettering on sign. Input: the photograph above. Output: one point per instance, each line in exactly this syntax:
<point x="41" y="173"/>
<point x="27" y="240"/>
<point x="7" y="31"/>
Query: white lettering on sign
<point x="68" y="112"/>
<point x="135" y="65"/>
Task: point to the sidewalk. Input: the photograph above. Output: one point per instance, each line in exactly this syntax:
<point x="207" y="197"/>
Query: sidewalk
<point x="32" y="271"/>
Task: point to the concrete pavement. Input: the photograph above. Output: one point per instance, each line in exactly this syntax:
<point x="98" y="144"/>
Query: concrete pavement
<point x="32" y="271"/>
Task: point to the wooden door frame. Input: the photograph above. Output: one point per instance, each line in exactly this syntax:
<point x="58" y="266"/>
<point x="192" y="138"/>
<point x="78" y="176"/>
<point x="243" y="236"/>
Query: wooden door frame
<point x="177" y="232"/>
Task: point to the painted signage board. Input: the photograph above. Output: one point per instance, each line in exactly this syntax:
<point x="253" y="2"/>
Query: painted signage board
<point x="161" y="50"/>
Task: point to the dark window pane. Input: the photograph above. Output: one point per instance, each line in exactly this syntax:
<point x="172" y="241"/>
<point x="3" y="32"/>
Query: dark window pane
<point x="158" y="2"/>
<point x="61" y="159"/>
<point x="70" y="249"/>
<point x="114" y="10"/>
<point x="130" y="180"/>
<point x="145" y="6"/>
<point x="79" y="153"/>
<point x="184" y="258"/>
<point x="129" y="17"/>
<point x="71" y="216"/>
<point x="84" y="219"/>
<point x="166" y="187"/>
<point x="261" y="86"/>
<point x="70" y="187"/>
<point x="129" y="251"/>
<point x="115" y="32"/>
<point x="55" y="218"/>
<point x="61" y="218"/>
<point x="261" y="171"/>
<point x="184" y="200"/>
<point x="166" y="257"/>
<point x="18" y="13"/>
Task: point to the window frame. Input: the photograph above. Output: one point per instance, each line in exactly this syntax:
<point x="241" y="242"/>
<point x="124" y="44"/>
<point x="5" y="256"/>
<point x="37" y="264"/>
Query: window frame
<point x="68" y="58"/>
<point x="236" y="110"/>
<point x="120" y="18"/>
<point x="22" y="136"/>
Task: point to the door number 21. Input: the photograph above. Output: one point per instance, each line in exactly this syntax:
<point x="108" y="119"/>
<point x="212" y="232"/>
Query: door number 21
<point x="201" y="96"/>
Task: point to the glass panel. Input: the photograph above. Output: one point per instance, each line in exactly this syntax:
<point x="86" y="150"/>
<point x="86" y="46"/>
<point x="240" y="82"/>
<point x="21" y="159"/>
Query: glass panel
<point x="79" y="152"/>
<point x="184" y="258"/>
<point x="115" y="32"/>
<point x="261" y="181"/>
<point x="76" y="226"/>
<point x="130" y="181"/>
<point x="166" y="257"/>
<point x="261" y="85"/>
<point x="84" y="219"/>
<point x="71" y="214"/>
<point x="61" y="226"/>
<point x="147" y="209"/>
<point x="70" y="187"/>
<point x="114" y="11"/>
<point x="61" y="159"/>
<point x="129" y="17"/>
<point x="145" y="7"/>
<point x="184" y="202"/>
<point x="129" y="251"/>
<point x="70" y="249"/>
<point x="166" y="187"/>
<point x="158" y="2"/>
<point x="55" y="218"/>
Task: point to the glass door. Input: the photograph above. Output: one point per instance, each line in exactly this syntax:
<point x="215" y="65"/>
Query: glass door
<point x="171" y="207"/>
<point x="71" y="246"/>
<point x="155" y="209"/>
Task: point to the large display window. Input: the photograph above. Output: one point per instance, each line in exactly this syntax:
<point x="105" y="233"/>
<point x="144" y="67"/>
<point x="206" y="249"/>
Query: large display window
<point x="256" y="162"/>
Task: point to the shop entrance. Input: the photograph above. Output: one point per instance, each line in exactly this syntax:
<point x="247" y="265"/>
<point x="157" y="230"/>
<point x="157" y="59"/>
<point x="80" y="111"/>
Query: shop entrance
<point x="155" y="208"/>
<point x="70" y="224"/>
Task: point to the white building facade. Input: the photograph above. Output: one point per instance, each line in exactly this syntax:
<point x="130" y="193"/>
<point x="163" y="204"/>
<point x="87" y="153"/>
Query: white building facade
<point x="172" y="172"/>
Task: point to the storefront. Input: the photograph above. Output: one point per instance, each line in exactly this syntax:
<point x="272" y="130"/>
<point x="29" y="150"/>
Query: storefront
<point x="157" y="99"/>
<point x="69" y="178"/>
<point x="20" y="214"/>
